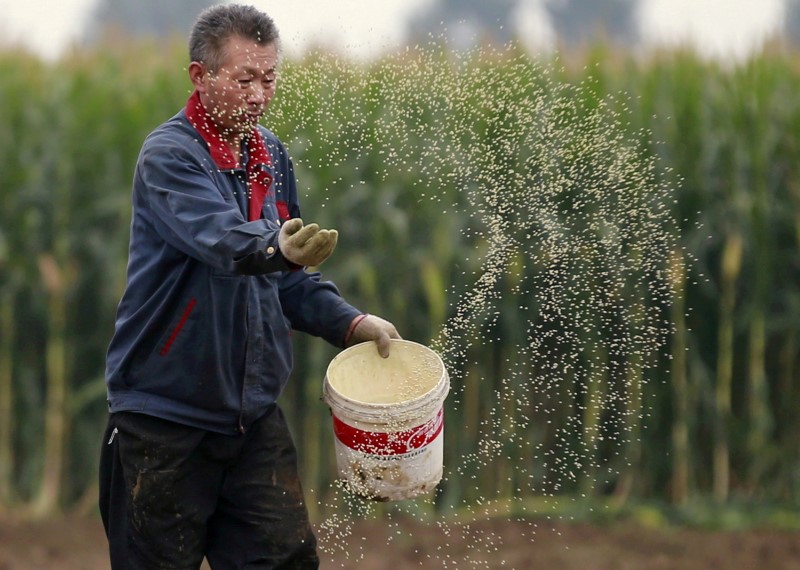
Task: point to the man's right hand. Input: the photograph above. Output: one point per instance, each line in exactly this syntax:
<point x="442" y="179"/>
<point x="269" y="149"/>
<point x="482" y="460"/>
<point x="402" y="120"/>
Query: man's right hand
<point x="306" y="245"/>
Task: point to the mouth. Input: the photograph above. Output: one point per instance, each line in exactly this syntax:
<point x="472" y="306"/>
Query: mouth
<point x="252" y="117"/>
<point x="249" y="117"/>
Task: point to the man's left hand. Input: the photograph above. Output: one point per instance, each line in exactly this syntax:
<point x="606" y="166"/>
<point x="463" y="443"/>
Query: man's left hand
<point x="374" y="328"/>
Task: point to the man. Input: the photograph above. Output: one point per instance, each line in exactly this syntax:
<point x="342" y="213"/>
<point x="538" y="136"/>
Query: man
<point x="197" y="459"/>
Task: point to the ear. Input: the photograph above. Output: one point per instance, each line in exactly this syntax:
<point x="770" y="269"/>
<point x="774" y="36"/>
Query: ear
<point x="198" y="75"/>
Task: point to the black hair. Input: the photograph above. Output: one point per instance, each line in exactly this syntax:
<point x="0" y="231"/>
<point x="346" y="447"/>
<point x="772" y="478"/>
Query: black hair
<point x="216" y="24"/>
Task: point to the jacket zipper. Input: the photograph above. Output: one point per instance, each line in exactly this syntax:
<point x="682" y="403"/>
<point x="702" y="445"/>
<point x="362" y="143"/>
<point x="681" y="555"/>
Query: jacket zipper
<point x="246" y="346"/>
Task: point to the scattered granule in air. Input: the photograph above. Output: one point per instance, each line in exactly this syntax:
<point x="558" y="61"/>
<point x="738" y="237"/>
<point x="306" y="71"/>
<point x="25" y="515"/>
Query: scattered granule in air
<point x="572" y="233"/>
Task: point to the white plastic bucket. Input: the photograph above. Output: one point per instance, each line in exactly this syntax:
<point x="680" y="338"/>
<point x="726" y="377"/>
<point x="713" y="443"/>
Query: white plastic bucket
<point x="388" y="419"/>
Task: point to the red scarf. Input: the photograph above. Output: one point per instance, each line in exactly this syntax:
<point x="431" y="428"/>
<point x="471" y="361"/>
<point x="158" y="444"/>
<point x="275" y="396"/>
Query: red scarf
<point x="258" y="178"/>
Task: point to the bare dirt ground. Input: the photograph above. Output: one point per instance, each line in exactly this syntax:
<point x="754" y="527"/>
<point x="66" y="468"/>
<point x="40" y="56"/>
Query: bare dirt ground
<point x="79" y="544"/>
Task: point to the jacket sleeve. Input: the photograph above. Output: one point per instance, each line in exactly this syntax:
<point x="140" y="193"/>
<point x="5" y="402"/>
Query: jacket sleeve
<point x="312" y="306"/>
<point x="190" y="212"/>
<point x="315" y="307"/>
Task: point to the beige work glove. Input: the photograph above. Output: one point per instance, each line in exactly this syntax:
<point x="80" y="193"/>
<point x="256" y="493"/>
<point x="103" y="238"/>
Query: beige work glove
<point x="370" y="327"/>
<point x="306" y="245"/>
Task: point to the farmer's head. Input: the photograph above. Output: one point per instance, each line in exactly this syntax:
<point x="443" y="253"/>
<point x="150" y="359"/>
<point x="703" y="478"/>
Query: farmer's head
<point x="217" y="24"/>
<point x="234" y="53"/>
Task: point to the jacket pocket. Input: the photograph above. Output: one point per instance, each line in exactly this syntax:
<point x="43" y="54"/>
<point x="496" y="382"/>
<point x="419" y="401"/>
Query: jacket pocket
<point x="178" y="327"/>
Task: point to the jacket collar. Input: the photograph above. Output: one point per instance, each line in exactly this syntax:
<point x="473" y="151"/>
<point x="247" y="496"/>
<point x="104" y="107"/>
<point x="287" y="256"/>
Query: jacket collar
<point x="220" y="153"/>
<point x="258" y="158"/>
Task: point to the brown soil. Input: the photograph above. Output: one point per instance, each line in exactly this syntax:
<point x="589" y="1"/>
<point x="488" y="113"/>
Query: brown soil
<point x="79" y="544"/>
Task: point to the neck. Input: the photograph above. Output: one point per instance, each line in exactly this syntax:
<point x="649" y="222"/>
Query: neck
<point x="232" y="139"/>
<point x="234" y="143"/>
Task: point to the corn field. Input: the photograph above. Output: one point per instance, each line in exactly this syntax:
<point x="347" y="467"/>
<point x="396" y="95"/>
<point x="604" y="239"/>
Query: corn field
<point x="386" y="152"/>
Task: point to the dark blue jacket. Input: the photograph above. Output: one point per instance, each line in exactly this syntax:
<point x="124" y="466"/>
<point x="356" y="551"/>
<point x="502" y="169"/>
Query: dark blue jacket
<point x="202" y="334"/>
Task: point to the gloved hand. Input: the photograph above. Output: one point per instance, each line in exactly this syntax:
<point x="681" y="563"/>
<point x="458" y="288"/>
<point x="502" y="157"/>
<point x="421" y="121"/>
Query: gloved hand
<point x="370" y="327"/>
<point x="306" y="245"/>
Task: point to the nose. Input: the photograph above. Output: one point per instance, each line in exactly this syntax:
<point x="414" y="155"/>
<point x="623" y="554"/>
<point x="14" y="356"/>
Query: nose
<point x="257" y="95"/>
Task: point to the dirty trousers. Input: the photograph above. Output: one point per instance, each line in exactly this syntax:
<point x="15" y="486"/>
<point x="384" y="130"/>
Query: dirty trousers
<point x="171" y="494"/>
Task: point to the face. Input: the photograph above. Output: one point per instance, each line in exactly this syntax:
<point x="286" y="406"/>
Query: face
<point x="237" y="94"/>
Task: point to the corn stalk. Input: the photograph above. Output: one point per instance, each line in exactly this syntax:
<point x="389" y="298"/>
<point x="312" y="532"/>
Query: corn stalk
<point x="730" y="269"/>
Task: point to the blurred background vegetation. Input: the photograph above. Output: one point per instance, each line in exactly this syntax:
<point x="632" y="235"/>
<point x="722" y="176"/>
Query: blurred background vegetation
<point x="721" y="423"/>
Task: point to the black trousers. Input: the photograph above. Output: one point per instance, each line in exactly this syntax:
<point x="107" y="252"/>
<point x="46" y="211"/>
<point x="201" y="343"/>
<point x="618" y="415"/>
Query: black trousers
<point x="172" y="494"/>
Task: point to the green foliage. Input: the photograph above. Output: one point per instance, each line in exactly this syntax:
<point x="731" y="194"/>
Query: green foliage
<point x="391" y="154"/>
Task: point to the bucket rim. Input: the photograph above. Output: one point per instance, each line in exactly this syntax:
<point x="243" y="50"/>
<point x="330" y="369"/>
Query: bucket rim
<point x="443" y="386"/>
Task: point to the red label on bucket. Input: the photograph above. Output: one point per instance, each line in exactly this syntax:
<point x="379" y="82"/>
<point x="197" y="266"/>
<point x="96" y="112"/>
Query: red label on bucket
<point x="389" y="443"/>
